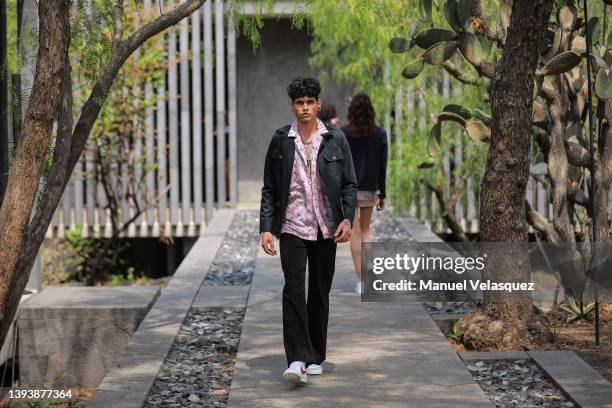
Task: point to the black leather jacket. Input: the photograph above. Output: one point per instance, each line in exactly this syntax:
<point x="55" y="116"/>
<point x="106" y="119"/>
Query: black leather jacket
<point x="336" y="172"/>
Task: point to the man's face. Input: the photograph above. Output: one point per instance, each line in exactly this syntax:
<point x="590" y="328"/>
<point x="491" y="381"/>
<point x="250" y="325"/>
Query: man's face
<point x="305" y="108"/>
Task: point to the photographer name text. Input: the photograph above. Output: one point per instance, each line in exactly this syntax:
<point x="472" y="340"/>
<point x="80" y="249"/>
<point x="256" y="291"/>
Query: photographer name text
<point x="405" y="285"/>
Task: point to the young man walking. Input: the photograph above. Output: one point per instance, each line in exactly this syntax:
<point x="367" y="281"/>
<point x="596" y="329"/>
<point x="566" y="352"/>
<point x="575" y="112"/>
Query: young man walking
<point x="308" y="202"/>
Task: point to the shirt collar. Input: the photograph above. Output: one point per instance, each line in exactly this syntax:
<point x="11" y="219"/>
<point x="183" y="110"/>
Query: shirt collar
<point x="321" y="128"/>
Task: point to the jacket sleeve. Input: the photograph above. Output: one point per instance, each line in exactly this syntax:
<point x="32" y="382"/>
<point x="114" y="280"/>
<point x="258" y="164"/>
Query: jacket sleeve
<point x="349" y="182"/>
<point x="266" y="211"/>
<point x="382" y="171"/>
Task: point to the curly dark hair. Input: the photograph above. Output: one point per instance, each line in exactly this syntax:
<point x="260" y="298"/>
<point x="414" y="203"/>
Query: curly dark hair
<point x="304" y="86"/>
<point x="361" y="116"/>
<point x="327" y="112"/>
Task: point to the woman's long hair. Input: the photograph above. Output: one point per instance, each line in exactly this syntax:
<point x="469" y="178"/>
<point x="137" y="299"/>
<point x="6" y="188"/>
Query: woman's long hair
<point x="361" y="116"/>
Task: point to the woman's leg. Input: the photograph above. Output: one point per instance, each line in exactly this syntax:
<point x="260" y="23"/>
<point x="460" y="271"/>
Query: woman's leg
<point x="365" y="217"/>
<point x="356" y="244"/>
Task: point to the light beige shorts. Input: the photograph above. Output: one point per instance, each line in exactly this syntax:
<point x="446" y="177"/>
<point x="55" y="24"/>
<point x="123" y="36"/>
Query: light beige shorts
<point x="366" y="198"/>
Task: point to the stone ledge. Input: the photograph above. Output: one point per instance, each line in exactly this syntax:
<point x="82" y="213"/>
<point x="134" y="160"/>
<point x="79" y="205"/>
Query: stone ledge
<point x="130" y="378"/>
<point x="69" y="336"/>
<point x="578" y="379"/>
<point x="493" y="355"/>
<point x="221" y="297"/>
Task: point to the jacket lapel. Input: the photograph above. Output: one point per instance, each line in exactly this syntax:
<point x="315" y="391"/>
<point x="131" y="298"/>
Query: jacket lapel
<point x="288" y="152"/>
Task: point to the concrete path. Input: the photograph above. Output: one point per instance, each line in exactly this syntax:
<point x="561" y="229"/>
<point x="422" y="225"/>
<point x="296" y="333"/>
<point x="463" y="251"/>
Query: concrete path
<point x="382" y="355"/>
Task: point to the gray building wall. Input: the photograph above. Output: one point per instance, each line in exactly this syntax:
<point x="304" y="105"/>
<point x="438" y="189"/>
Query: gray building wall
<point x="263" y="105"/>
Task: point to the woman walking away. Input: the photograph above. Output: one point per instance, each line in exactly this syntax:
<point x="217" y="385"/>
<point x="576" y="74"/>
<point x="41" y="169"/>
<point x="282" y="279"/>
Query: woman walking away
<point x="368" y="144"/>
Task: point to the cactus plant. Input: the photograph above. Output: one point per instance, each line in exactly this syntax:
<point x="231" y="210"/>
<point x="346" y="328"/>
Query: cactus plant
<point x="577" y="309"/>
<point x="559" y="103"/>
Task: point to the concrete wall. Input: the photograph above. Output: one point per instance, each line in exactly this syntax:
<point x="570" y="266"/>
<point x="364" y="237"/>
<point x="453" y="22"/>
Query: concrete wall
<point x="263" y="104"/>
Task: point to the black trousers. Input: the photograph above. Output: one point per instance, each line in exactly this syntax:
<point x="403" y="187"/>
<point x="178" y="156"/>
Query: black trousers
<point x="305" y="320"/>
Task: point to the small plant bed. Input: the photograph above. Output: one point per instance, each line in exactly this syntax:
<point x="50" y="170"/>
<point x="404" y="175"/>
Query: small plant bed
<point x="234" y="263"/>
<point x="199" y="368"/>
<point x="579" y="337"/>
<point x="517" y="383"/>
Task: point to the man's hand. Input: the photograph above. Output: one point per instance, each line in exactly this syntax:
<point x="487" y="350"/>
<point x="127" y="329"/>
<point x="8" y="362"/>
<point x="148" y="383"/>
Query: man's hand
<point x="380" y="204"/>
<point x="267" y="243"/>
<point x="343" y="232"/>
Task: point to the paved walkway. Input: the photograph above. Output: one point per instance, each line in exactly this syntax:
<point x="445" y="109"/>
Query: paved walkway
<point x="382" y="355"/>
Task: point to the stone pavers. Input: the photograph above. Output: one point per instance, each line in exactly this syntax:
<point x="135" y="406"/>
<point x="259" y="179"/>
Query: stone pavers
<point x="581" y="381"/>
<point x="379" y="354"/>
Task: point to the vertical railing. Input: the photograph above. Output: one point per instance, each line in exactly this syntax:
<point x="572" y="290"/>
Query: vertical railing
<point x="220" y="99"/>
<point x="208" y="111"/>
<point x="186" y="165"/>
<point x="232" y="114"/>
<point x="196" y="93"/>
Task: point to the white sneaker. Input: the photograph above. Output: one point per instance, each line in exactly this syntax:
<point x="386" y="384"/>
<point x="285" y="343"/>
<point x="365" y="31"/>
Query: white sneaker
<point x="296" y="373"/>
<point x="358" y="288"/>
<point x="314" y="369"/>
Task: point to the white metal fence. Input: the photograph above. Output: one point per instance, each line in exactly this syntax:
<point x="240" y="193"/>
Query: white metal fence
<point x="190" y="137"/>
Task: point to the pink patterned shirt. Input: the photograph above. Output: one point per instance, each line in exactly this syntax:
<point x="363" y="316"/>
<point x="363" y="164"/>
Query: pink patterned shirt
<point x="307" y="206"/>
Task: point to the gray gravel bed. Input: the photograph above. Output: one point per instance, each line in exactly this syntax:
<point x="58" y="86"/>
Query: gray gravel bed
<point x="518" y="383"/>
<point x="453" y="308"/>
<point x="199" y="368"/>
<point x="234" y="263"/>
<point x="385" y="227"/>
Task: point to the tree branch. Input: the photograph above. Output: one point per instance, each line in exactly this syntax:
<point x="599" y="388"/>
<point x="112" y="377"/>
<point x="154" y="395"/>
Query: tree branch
<point x="118" y="28"/>
<point x="160" y="24"/>
<point x="458" y="74"/>
<point x="26" y="169"/>
<point x="55" y="181"/>
<point x="447" y="213"/>
<point x="481" y="23"/>
<point x="579" y="197"/>
<point x="537" y="221"/>
<point x="577" y="155"/>
<point x="100" y="90"/>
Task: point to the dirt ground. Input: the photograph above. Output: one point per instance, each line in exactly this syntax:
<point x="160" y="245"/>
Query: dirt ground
<point x="579" y="337"/>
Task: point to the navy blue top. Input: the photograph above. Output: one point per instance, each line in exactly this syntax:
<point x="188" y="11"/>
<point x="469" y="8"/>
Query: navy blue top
<point x="370" y="159"/>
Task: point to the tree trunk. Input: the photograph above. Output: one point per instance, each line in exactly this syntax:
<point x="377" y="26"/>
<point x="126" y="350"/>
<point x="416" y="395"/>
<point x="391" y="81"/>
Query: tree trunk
<point x="42" y="110"/>
<point x="22" y="237"/>
<point x="603" y="172"/>
<point x="503" y="320"/>
<point x="560" y="174"/>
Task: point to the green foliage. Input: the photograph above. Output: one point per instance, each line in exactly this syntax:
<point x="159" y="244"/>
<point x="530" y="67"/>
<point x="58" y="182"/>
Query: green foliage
<point x="91" y="28"/>
<point x="94" y="260"/>
<point x="438" y="53"/>
<point x="12" y="63"/>
<point x="577" y="309"/>
<point x="603" y="84"/>
<point x="455" y="333"/>
<point x="355" y="42"/>
<point x="119" y="280"/>
<point x="432" y="36"/>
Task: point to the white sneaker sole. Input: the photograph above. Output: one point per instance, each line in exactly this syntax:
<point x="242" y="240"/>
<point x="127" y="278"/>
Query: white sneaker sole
<point x="294" y="378"/>
<point x="313" y="371"/>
